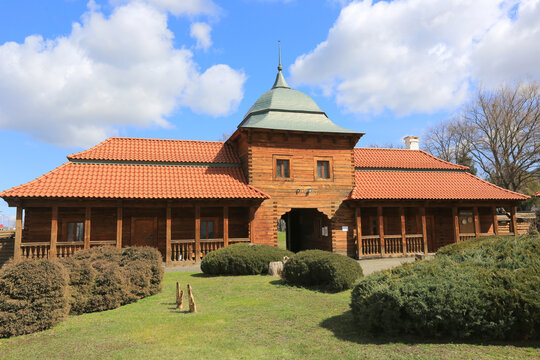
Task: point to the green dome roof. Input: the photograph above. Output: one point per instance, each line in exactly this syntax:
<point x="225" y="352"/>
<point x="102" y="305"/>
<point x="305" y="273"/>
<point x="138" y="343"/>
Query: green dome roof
<point x="283" y="108"/>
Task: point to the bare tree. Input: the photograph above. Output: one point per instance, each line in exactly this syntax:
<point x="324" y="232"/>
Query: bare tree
<point x="499" y="130"/>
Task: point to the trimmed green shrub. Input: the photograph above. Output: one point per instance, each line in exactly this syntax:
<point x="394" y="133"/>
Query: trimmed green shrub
<point x="323" y="269"/>
<point x="242" y="259"/>
<point x="485" y="288"/>
<point x="106" y="278"/>
<point x="33" y="296"/>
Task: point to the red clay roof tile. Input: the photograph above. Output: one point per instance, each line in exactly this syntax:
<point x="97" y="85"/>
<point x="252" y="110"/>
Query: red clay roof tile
<point x="400" y="159"/>
<point x="159" y="150"/>
<point x="436" y="185"/>
<point x="80" y="180"/>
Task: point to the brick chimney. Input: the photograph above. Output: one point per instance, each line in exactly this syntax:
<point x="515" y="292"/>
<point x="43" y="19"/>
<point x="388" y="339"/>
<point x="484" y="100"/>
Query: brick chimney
<point x="411" y="142"/>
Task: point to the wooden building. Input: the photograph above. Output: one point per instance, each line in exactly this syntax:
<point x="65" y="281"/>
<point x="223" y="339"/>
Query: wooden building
<point x="287" y="161"/>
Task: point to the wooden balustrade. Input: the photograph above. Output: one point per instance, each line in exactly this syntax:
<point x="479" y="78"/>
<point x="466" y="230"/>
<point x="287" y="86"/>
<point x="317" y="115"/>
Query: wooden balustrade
<point x="102" y="243"/>
<point x="371" y="245"/>
<point x="208" y="245"/>
<point x="183" y="250"/>
<point x="467" y="236"/>
<point x="35" y="250"/>
<point x="67" y="249"/>
<point x="393" y="244"/>
<point x="415" y="243"/>
<point x="238" y="240"/>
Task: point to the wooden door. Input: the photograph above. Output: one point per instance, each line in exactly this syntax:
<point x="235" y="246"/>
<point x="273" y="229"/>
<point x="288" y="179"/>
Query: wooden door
<point x="144" y="231"/>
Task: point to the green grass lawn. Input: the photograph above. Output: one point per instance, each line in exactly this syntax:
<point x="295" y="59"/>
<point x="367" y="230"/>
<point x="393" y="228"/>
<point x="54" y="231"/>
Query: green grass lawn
<point x="242" y="317"/>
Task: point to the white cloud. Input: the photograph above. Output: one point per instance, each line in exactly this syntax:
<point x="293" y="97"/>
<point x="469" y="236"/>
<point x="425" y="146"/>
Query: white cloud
<point x="201" y="32"/>
<point x="417" y="56"/>
<point x="180" y="7"/>
<point x="109" y="72"/>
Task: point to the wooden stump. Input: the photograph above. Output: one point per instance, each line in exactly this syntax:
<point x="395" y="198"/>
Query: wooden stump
<point x="192" y="306"/>
<point x="275" y="268"/>
<point x="179" y="297"/>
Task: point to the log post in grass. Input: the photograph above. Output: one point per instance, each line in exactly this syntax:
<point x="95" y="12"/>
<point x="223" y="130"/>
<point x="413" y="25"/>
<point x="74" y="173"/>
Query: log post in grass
<point x="192" y="306"/>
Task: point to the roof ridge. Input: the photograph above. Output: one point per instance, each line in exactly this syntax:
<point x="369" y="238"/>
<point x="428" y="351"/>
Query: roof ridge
<point x="154" y="139"/>
<point x="420" y="151"/>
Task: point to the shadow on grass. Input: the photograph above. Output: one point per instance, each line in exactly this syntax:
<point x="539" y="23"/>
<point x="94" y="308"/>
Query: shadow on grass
<point x="344" y="328"/>
<point x="320" y="289"/>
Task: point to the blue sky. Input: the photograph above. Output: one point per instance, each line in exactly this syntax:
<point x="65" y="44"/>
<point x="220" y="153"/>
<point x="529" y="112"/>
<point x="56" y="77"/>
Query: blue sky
<point x="388" y="69"/>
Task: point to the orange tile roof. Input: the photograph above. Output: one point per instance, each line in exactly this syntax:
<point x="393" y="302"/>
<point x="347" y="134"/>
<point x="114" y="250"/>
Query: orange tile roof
<point x="400" y="159"/>
<point x="84" y="180"/>
<point x="159" y="150"/>
<point x="537" y="194"/>
<point x="436" y="185"/>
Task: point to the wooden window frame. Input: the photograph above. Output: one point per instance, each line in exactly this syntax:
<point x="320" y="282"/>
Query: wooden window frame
<point x="275" y="159"/>
<point x="330" y="160"/>
<point x="215" y="220"/>
<point x="63" y="227"/>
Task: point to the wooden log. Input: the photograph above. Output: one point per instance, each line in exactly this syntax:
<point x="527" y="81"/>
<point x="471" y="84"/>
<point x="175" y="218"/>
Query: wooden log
<point x="168" y="235"/>
<point x="119" y="218"/>
<point x="380" y="224"/>
<point x="17" y="250"/>
<point x="495" y="220"/>
<point x="192" y="306"/>
<point x="275" y="268"/>
<point x="358" y="216"/>
<point x="87" y="226"/>
<point x="54" y="232"/>
<point x="403" y="230"/>
<point x="476" y="221"/>
<point x="424" y="229"/>
<point x="197" y="233"/>
<point x="225" y="226"/>
<point x="514" y="220"/>
<point x="179" y="297"/>
<point x="456" y="224"/>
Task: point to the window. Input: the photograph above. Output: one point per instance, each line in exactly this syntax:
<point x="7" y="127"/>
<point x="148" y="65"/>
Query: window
<point x="323" y="169"/>
<point x="75" y="231"/>
<point x="208" y="229"/>
<point x="283" y="169"/>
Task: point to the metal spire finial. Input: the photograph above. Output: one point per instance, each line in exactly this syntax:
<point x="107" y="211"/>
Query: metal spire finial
<point x="279" y="50"/>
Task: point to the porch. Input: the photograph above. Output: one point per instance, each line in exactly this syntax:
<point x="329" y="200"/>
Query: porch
<point x="184" y="232"/>
<point x="406" y="229"/>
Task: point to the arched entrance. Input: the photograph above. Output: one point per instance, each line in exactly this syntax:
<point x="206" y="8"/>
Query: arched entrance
<point x="306" y="229"/>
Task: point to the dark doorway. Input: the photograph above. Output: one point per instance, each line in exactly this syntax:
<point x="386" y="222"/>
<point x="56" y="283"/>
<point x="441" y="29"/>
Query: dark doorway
<point x="307" y="229"/>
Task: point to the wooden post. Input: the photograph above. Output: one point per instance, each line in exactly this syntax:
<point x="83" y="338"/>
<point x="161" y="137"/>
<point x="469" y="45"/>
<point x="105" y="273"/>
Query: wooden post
<point x="179" y="297"/>
<point x="119" y="218"/>
<point x="225" y="226"/>
<point x="476" y="221"/>
<point x="359" y="249"/>
<point x="17" y="250"/>
<point x="403" y="230"/>
<point x="87" y="225"/>
<point x="514" y="220"/>
<point x="424" y="229"/>
<point x="251" y="217"/>
<point x="197" y="233"/>
<point x="495" y="220"/>
<point x="54" y="232"/>
<point x="192" y="306"/>
<point x="380" y="223"/>
<point x="456" y="224"/>
<point x="168" y="235"/>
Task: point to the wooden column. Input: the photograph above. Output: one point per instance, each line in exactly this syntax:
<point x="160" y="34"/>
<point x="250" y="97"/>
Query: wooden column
<point x="456" y="224"/>
<point x="514" y="220"/>
<point x="17" y="251"/>
<point x="54" y="232"/>
<point x="495" y="221"/>
<point x="403" y="230"/>
<point x="251" y="217"/>
<point x="225" y="226"/>
<point x="359" y="249"/>
<point x="380" y="223"/>
<point x="476" y="221"/>
<point x="168" y="235"/>
<point x="87" y="225"/>
<point x="424" y="229"/>
<point x="119" y="218"/>
<point x="197" y="233"/>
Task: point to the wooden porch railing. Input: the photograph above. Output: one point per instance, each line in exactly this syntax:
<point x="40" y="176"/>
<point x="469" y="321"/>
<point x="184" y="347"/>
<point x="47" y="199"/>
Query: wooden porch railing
<point x="467" y="236"/>
<point x="35" y="250"/>
<point x="415" y="243"/>
<point x="393" y="244"/>
<point x="67" y="249"/>
<point x="184" y="250"/>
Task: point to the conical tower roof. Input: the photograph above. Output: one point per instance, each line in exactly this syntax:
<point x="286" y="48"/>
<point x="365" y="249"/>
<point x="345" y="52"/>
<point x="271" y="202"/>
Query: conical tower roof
<point x="283" y="108"/>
